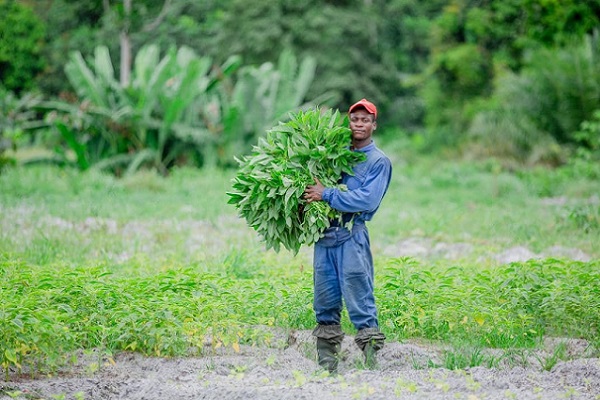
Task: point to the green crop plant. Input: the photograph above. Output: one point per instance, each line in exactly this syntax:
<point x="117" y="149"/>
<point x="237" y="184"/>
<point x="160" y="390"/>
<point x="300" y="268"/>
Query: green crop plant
<point x="505" y="306"/>
<point x="269" y="185"/>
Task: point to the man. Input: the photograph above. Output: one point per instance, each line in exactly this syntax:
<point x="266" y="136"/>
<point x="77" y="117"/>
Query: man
<point x="343" y="264"/>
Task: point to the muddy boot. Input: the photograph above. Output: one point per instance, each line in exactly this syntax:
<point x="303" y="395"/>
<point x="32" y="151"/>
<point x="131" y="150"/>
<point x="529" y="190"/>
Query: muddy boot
<point x="370" y="341"/>
<point x="328" y="353"/>
<point x="329" y="345"/>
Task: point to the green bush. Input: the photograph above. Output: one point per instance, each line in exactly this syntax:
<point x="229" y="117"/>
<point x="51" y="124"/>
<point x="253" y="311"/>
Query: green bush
<point x="586" y="161"/>
<point x="505" y="306"/>
<point x="50" y="311"/>
<point x="152" y="122"/>
<point x="536" y="112"/>
<point x="21" y="34"/>
<point x="18" y="116"/>
<point x="178" y="109"/>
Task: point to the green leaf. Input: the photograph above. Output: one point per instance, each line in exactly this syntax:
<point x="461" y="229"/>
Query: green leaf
<point x="269" y="185"/>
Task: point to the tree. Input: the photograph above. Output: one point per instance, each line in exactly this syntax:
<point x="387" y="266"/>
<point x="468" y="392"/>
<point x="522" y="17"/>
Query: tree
<point x="126" y="13"/>
<point x="475" y="42"/>
<point x="74" y="25"/>
<point x="348" y="55"/>
<point x="70" y="25"/>
<point x="363" y="48"/>
<point x="21" y="42"/>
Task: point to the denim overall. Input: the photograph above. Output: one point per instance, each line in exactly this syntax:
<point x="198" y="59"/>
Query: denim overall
<point x="343" y="264"/>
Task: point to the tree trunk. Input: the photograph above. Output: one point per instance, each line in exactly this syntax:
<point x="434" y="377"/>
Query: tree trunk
<point x="372" y="26"/>
<point x="125" y="41"/>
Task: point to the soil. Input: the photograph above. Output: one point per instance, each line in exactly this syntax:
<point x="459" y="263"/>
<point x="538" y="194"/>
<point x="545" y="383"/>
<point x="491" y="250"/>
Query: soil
<point x="409" y="370"/>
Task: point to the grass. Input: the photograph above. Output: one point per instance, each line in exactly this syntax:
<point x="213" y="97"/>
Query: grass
<point x="164" y="267"/>
<point x="482" y="203"/>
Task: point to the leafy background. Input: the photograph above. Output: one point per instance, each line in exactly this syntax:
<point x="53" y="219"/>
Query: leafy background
<point x="512" y="79"/>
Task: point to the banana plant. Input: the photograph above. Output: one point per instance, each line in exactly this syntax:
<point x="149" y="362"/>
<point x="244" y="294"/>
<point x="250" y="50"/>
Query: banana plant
<point x="142" y="123"/>
<point x="259" y="99"/>
<point x="17" y="118"/>
<point x="176" y="106"/>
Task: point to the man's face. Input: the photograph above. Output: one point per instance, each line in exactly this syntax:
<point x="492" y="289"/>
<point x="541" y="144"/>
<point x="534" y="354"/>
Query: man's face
<point x="362" y="125"/>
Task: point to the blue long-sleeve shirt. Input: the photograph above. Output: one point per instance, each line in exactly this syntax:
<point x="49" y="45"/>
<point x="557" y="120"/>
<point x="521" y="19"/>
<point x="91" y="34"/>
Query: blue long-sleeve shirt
<point x="366" y="187"/>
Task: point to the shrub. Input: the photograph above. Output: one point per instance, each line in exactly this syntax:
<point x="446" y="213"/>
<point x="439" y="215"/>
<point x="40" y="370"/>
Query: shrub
<point x="543" y="106"/>
<point x="586" y="161"/>
<point x="22" y="33"/>
<point x="17" y="116"/>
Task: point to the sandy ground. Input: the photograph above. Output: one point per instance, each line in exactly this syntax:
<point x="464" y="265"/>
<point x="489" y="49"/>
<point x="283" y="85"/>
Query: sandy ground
<point x="290" y="372"/>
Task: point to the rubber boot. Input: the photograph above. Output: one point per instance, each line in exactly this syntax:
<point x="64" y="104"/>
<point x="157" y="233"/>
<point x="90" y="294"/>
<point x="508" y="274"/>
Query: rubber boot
<point x="329" y="345"/>
<point x="328" y="354"/>
<point x="370" y="341"/>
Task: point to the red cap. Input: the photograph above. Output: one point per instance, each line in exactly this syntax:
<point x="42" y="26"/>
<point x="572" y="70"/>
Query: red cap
<point x="366" y="104"/>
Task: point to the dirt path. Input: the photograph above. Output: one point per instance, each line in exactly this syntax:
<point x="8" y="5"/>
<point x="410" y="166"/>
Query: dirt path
<point x="289" y="372"/>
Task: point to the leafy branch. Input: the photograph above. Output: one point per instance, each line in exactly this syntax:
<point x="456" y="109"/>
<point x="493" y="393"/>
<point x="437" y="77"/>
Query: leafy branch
<point x="270" y="182"/>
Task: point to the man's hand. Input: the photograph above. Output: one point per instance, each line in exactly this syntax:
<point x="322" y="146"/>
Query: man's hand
<point x="314" y="192"/>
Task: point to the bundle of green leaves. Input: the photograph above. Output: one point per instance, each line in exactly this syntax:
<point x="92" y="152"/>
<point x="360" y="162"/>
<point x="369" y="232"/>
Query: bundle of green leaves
<point x="269" y="185"/>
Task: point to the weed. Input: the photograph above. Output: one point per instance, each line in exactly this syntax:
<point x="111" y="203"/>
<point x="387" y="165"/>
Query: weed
<point x="299" y="378"/>
<point x="238" y="371"/>
<point x="517" y="357"/>
<point x="364" y="392"/>
<point x="558" y="354"/>
<point x="418" y="364"/>
<point x="571" y="393"/>
<point x="270" y="361"/>
<point x="402" y="386"/>
<point x="586" y="217"/>
<point x="462" y="358"/>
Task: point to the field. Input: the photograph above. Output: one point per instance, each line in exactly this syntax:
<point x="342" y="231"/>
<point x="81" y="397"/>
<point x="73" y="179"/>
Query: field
<point x="487" y="282"/>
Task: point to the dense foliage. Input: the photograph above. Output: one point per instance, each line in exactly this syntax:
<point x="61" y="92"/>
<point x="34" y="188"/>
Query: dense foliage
<point x="441" y="70"/>
<point x="21" y="44"/>
<point x="151" y="122"/>
<point x="544" y="105"/>
<point x="474" y="43"/>
<point x="178" y="109"/>
<point x="269" y="185"/>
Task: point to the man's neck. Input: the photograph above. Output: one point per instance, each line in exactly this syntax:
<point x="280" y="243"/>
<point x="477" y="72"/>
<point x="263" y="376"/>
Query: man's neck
<point x="357" y="145"/>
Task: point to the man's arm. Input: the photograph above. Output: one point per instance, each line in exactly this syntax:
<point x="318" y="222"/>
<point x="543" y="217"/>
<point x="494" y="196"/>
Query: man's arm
<point x="365" y="198"/>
